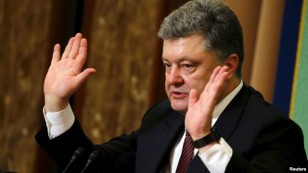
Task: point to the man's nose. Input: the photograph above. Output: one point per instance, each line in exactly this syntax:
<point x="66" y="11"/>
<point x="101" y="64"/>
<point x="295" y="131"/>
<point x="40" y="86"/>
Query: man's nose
<point x="174" y="77"/>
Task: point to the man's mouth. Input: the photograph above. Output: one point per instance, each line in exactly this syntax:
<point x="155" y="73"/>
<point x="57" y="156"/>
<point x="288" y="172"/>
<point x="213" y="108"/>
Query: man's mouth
<point x="178" y="95"/>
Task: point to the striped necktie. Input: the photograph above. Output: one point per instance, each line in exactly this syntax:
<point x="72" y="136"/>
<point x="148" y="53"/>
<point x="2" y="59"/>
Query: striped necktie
<point x="186" y="156"/>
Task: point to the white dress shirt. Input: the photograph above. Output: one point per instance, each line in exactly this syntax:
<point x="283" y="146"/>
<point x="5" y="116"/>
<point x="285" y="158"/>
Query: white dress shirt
<point x="215" y="159"/>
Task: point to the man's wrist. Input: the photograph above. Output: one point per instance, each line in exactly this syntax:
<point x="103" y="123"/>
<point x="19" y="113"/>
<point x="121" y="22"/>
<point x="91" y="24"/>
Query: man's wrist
<point x="55" y="104"/>
<point x="212" y="137"/>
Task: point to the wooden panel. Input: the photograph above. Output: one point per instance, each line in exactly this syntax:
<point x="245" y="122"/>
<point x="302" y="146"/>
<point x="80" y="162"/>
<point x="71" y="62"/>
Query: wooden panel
<point x="248" y="13"/>
<point x="122" y="47"/>
<point x="267" y="47"/>
<point x="157" y="84"/>
<point x="23" y="38"/>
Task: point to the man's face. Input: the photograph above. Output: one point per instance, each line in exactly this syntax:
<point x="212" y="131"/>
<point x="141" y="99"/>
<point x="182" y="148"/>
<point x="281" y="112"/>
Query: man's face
<point x="188" y="66"/>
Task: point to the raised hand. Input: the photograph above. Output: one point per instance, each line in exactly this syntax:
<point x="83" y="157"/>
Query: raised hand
<point x="65" y="74"/>
<point x="198" y="117"/>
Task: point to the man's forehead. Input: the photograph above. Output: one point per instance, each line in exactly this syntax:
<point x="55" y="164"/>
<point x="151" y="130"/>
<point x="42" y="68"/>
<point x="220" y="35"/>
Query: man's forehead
<point x="184" y="45"/>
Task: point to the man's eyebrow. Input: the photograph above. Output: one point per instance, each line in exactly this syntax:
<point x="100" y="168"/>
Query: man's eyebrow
<point x="184" y="58"/>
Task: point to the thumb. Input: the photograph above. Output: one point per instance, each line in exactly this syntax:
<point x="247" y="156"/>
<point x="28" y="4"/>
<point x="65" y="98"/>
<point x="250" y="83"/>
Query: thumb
<point x="193" y="97"/>
<point x="84" y="75"/>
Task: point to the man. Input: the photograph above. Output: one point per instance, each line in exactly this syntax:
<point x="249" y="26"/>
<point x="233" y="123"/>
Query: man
<point x="233" y="128"/>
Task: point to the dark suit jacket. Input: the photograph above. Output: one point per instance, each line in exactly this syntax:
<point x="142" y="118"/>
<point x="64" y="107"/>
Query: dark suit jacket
<point x="262" y="139"/>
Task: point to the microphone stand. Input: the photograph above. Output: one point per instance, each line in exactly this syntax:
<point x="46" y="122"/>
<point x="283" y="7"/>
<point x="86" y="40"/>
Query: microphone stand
<point x="75" y="156"/>
<point x="91" y="158"/>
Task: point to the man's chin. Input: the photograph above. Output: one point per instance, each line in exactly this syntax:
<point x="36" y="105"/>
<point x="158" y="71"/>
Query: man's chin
<point x="179" y="107"/>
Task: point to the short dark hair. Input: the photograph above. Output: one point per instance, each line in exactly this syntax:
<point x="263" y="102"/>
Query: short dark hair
<point x="212" y="19"/>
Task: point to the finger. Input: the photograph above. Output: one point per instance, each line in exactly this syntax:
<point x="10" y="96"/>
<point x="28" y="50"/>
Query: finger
<point x="220" y="80"/>
<point x="215" y="74"/>
<point x="68" y="48"/>
<point x="82" y="54"/>
<point x="56" y="54"/>
<point x="212" y="78"/>
<point x="193" y="97"/>
<point x="216" y="77"/>
<point x="221" y="75"/>
<point x="75" y="48"/>
<point x="226" y="69"/>
<point x="213" y="88"/>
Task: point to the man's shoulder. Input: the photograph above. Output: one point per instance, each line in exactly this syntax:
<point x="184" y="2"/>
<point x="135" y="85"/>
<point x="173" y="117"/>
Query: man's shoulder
<point x="258" y="104"/>
<point x="160" y="107"/>
<point x="158" y="111"/>
<point x="155" y="114"/>
<point x="258" y="110"/>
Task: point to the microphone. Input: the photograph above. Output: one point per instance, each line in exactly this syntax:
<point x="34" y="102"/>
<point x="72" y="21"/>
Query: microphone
<point x="76" y="154"/>
<point x="91" y="158"/>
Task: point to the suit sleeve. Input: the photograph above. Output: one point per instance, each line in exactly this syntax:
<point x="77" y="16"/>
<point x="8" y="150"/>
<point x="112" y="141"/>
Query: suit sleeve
<point x="61" y="148"/>
<point x="116" y="154"/>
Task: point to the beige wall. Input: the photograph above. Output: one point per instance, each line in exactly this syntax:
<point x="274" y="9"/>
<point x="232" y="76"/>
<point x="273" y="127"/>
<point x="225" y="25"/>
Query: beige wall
<point x="261" y="21"/>
<point x="267" y="47"/>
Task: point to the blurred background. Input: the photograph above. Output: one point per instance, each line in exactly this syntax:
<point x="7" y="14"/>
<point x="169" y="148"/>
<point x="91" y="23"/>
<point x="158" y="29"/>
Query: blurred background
<point x="125" y="51"/>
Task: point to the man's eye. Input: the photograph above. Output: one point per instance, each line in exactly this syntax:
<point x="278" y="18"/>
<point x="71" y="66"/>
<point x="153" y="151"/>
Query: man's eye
<point x="167" y="65"/>
<point x="187" y="66"/>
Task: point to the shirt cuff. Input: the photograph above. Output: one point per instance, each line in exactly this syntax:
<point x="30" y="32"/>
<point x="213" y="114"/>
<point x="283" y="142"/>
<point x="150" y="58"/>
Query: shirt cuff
<point x="59" y="122"/>
<point x="217" y="157"/>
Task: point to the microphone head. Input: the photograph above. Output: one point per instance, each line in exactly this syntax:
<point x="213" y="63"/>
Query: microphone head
<point x="90" y="161"/>
<point x="94" y="155"/>
<point x="78" y="152"/>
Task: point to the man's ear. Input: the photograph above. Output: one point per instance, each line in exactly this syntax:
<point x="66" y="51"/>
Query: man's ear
<point x="232" y="62"/>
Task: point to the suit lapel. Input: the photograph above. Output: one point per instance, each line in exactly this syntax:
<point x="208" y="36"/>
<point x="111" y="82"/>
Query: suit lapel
<point x="154" y="146"/>
<point x="228" y="120"/>
<point x="197" y="166"/>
